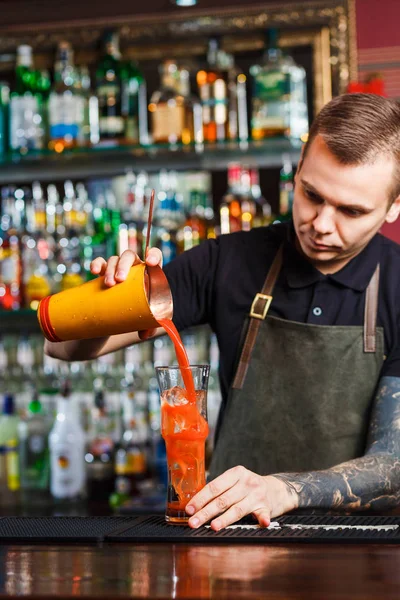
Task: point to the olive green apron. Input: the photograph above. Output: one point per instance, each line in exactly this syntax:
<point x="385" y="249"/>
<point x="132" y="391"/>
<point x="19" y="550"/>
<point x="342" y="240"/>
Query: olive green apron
<point x="302" y="393"/>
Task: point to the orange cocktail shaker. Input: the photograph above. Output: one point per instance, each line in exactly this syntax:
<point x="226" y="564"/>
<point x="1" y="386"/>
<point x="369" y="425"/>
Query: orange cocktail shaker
<point x="94" y="310"/>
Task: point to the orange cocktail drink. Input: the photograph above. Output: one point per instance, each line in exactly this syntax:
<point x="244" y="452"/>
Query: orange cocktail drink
<point x="183" y="426"/>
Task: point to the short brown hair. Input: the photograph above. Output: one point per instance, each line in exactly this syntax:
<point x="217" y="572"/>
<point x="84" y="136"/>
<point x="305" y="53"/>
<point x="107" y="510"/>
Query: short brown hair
<point x="357" y="128"/>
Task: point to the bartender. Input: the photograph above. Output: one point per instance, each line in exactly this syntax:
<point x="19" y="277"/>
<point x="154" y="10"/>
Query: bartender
<point x="307" y="317"/>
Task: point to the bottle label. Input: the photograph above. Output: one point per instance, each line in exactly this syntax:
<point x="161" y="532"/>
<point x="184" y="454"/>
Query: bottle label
<point x="13" y="482"/>
<point x="168" y="123"/>
<point x="37" y="444"/>
<point x="130" y="462"/>
<point x="9" y="268"/>
<point x="123" y="485"/>
<point x="67" y="470"/>
<point x="111" y="125"/>
<point x="272" y="86"/>
<point x="65" y="114"/>
<point x="26" y="123"/>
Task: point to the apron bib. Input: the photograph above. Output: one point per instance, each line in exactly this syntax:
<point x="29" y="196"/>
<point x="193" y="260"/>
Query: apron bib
<point x="302" y="393"/>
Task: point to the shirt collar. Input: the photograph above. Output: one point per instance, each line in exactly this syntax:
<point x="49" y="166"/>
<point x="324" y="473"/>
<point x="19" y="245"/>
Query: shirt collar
<point x="355" y="275"/>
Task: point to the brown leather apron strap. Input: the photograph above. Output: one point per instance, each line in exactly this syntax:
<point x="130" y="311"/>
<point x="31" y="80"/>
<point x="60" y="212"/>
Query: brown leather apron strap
<point x="258" y="312"/>
<point x="371" y="312"/>
<point x="261" y="304"/>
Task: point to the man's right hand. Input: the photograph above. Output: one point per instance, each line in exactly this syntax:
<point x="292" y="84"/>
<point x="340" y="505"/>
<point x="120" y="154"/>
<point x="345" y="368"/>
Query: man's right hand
<point x="116" y="268"/>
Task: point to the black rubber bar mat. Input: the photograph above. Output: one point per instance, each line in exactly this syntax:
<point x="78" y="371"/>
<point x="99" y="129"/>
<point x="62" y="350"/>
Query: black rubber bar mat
<point x="59" y="529"/>
<point x="322" y="529"/>
<point x="147" y="529"/>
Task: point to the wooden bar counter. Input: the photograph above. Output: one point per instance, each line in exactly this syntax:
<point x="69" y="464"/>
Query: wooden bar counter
<point x="274" y="571"/>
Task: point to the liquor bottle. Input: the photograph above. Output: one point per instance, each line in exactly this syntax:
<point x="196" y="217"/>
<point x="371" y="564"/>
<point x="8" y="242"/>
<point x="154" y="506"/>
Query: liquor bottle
<point x="99" y="457"/>
<point x="38" y="208"/>
<point x="213" y="93"/>
<point x="9" y="475"/>
<point x="133" y="103"/>
<point x="10" y="253"/>
<point x="195" y="227"/>
<point x="114" y="217"/>
<point x="223" y="97"/>
<point x="286" y="189"/>
<point x="264" y="211"/>
<point x="176" y="114"/>
<point x="230" y="209"/>
<point x="36" y="275"/>
<point x="4" y="118"/>
<point x="88" y="127"/>
<point x="122" y="96"/>
<point x="130" y="460"/>
<point x="27" y="131"/>
<point x="33" y="434"/>
<point x="54" y="212"/>
<point x="67" y="448"/>
<point x="255" y="209"/>
<point x="279" y="103"/>
<point x="108" y="89"/>
<point x="101" y="226"/>
<point x="65" y="105"/>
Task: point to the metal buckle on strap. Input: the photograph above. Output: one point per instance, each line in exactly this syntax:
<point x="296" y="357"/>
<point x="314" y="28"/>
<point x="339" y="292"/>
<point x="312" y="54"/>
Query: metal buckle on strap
<point x="263" y="298"/>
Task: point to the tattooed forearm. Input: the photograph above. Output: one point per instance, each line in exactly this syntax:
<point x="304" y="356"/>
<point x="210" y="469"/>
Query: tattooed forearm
<point x="369" y="482"/>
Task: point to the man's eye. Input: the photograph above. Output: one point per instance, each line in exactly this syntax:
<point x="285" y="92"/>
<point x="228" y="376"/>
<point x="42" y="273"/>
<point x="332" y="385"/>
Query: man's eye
<point x="313" y="197"/>
<point x="351" y="212"/>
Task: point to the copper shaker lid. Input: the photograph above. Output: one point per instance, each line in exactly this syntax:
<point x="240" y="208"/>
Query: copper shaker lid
<point x="158" y="293"/>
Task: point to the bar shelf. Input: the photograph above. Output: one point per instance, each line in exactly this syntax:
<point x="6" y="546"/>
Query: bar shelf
<point x="108" y="161"/>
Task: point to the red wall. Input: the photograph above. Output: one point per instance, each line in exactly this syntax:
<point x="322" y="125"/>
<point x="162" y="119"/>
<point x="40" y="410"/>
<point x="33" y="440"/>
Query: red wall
<point x="378" y="29"/>
<point x="378" y="23"/>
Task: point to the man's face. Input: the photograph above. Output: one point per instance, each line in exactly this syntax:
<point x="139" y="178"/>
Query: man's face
<point x="338" y="208"/>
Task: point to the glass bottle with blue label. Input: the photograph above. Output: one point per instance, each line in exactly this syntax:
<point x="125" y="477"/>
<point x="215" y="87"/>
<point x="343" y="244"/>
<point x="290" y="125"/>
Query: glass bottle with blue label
<point x="66" y="107"/>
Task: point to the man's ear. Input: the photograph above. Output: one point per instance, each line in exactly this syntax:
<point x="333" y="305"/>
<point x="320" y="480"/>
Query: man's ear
<point x="393" y="211"/>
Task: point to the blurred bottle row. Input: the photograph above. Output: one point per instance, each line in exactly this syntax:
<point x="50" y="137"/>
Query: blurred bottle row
<point x="49" y="235"/>
<point x="77" y="107"/>
<point x="89" y="430"/>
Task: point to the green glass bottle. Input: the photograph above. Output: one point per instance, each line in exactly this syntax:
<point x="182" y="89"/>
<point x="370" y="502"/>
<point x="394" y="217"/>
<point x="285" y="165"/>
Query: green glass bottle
<point x="279" y="102"/>
<point x="108" y="86"/>
<point x="4" y="117"/>
<point x="27" y="126"/>
<point x="122" y="96"/>
<point x="133" y="103"/>
<point x="33" y="448"/>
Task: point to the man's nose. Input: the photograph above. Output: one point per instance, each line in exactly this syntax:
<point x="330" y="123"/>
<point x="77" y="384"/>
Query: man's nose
<point x="324" y="222"/>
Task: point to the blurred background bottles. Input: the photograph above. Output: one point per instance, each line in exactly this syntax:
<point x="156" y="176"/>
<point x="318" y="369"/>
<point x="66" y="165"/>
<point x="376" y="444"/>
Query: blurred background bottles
<point x="50" y="234"/>
<point x="88" y="432"/>
<point x="107" y="102"/>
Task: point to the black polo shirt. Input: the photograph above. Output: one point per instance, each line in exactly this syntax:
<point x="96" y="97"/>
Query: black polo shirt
<point x="216" y="282"/>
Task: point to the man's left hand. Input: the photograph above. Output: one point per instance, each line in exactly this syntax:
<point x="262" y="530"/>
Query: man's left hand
<point x="237" y="493"/>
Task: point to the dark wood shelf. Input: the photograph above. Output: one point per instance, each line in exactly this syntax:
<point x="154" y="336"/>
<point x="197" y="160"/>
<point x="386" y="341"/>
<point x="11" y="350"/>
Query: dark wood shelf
<point x="109" y="161"/>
